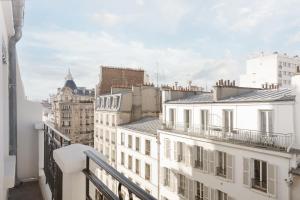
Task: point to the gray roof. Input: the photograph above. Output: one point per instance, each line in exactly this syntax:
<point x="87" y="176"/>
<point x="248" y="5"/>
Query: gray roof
<point x="253" y="96"/>
<point x="146" y="124"/>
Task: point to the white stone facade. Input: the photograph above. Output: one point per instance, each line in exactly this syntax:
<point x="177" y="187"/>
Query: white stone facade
<point x="272" y="69"/>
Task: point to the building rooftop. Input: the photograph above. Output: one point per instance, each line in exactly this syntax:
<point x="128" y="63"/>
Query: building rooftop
<point x="253" y="96"/>
<point x="146" y="124"/>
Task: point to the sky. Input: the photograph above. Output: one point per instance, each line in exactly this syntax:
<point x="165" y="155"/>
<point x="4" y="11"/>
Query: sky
<point x="180" y="40"/>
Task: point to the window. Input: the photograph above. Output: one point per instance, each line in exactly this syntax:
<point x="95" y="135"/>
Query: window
<point x="179" y="151"/>
<point x="107" y="119"/>
<point x="172" y="117"/>
<point x="227" y="120"/>
<point x="113" y="120"/>
<point x="204" y="120"/>
<point x="98" y="195"/>
<point x="137" y="166"/>
<point x="106" y="136"/>
<point x="221" y="164"/>
<point x="166" y="179"/>
<point x="122" y="138"/>
<point x="113" y="137"/>
<point x="181" y="188"/>
<point x="260" y="175"/>
<point x="147" y="147"/>
<point x="147" y="172"/>
<point x="107" y="152"/>
<point x="199" y="157"/>
<point x="137" y="144"/>
<point x="113" y="155"/>
<point x="129" y="162"/>
<point x="167" y="148"/>
<point x="129" y="141"/>
<point x="122" y="158"/>
<point x="266" y="122"/>
<point x="222" y="195"/>
<point x="199" y="191"/>
<point x="187" y="119"/>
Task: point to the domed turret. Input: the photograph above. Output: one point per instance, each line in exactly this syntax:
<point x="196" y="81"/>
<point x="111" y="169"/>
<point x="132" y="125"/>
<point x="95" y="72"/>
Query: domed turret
<point x="69" y="81"/>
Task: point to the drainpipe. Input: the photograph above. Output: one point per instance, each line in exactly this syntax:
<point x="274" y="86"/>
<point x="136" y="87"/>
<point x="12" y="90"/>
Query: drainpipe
<point x="18" y="13"/>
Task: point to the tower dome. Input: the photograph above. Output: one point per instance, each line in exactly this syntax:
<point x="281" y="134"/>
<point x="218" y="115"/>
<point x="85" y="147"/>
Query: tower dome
<point x="69" y="81"/>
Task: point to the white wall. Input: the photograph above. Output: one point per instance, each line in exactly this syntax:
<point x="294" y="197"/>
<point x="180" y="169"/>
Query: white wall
<point x="235" y="189"/>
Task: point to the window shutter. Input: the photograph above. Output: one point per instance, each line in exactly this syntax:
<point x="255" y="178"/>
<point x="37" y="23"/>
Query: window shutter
<point x="205" y="160"/>
<point x="230" y="167"/>
<point x="205" y="193"/>
<point x="212" y="194"/>
<point x="246" y="172"/>
<point x="194" y="155"/>
<point x="191" y="190"/>
<point x="175" y="151"/>
<point x="211" y="156"/>
<point x="183" y="152"/>
<point x="270" y="121"/>
<point x="173" y="181"/>
<point x="271" y="179"/>
<point x="186" y="187"/>
<point x="165" y="148"/>
<point x="162" y="175"/>
<point x="188" y="155"/>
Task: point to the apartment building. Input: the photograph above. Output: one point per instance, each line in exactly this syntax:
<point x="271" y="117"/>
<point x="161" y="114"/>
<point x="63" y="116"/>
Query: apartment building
<point x="74" y="111"/>
<point x="276" y="69"/>
<point x="234" y="143"/>
<point x="137" y="153"/>
<point x="112" y="76"/>
<point x="121" y="106"/>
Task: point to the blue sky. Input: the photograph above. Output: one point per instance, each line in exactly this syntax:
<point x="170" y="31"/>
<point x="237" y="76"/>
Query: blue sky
<point x="196" y="40"/>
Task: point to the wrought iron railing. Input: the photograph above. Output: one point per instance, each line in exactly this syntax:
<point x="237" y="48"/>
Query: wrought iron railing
<point x="198" y="164"/>
<point x="53" y="139"/>
<point x="221" y="171"/>
<point x="259" y="184"/>
<point x="105" y="192"/>
<point x="276" y="141"/>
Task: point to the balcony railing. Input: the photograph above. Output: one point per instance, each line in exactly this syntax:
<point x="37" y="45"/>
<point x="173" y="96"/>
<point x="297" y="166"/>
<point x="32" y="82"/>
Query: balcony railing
<point x="259" y="184"/>
<point x="181" y="191"/>
<point x="53" y="139"/>
<point x="198" y="164"/>
<point x="133" y="189"/>
<point x="272" y="140"/>
<point x="220" y="171"/>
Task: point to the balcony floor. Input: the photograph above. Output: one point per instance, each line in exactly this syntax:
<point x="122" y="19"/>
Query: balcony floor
<point x="26" y="191"/>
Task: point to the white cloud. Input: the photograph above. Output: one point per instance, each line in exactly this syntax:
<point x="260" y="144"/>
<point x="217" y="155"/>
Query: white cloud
<point x="106" y="18"/>
<point x="85" y="52"/>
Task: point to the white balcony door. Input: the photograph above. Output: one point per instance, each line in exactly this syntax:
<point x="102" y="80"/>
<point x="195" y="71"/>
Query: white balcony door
<point x="204" y="120"/>
<point x="266" y="122"/>
<point x="227" y="120"/>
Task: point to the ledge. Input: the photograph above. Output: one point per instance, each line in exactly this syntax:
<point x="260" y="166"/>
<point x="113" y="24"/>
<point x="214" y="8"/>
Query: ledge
<point x="9" y="171"/>
<point x="71" y="158"/>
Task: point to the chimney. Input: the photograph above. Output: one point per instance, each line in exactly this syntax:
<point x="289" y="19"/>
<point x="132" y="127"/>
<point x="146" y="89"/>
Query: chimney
<point x="221" y="92"/>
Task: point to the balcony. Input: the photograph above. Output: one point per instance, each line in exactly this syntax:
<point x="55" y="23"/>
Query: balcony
<point x="259" y="184"/>
<point x="221" y="172"/>
<point x="198" y="164"/>
<point x="68" y="171"/>
<point x="272" y="140"/>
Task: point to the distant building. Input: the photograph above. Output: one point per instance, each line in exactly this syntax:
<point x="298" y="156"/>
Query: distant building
<point x="74" y="112"/>
<point x="137" y="153"/>
<point x="121" y="106"/>
<point x="276" y="69"/>
<point x="113" y="76"/>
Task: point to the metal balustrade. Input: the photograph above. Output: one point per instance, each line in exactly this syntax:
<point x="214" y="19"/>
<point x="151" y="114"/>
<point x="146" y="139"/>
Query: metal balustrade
<point x="53" y="139"/>
<point x="105" y="192"/>
<point x="259" y="184"/>
<point x="220" y="171"/>
<point x="271" y="140"/>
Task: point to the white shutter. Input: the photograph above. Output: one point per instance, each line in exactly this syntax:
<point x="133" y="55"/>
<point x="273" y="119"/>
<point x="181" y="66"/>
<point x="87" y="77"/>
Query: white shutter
<point x="175" y="151"/>
<point x="212" y="194"/>
<point x="183" y="152"/>
<point x="205" y="193"/>
<point x="173" y="181"/>
<point x="246" y="172"/>
<point x="230" y="167"/>
<point x="188" y="155"/>
<point x="162" y="175"/>
<point x="271" y="179"/>
<point x="165" y="148"/>
<point x="186" y="187"/>
<point x="205" y="160"/>
<point x="194" y="157"/>
<point x="211" y="167"/>
<point x="191" y="190"/>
